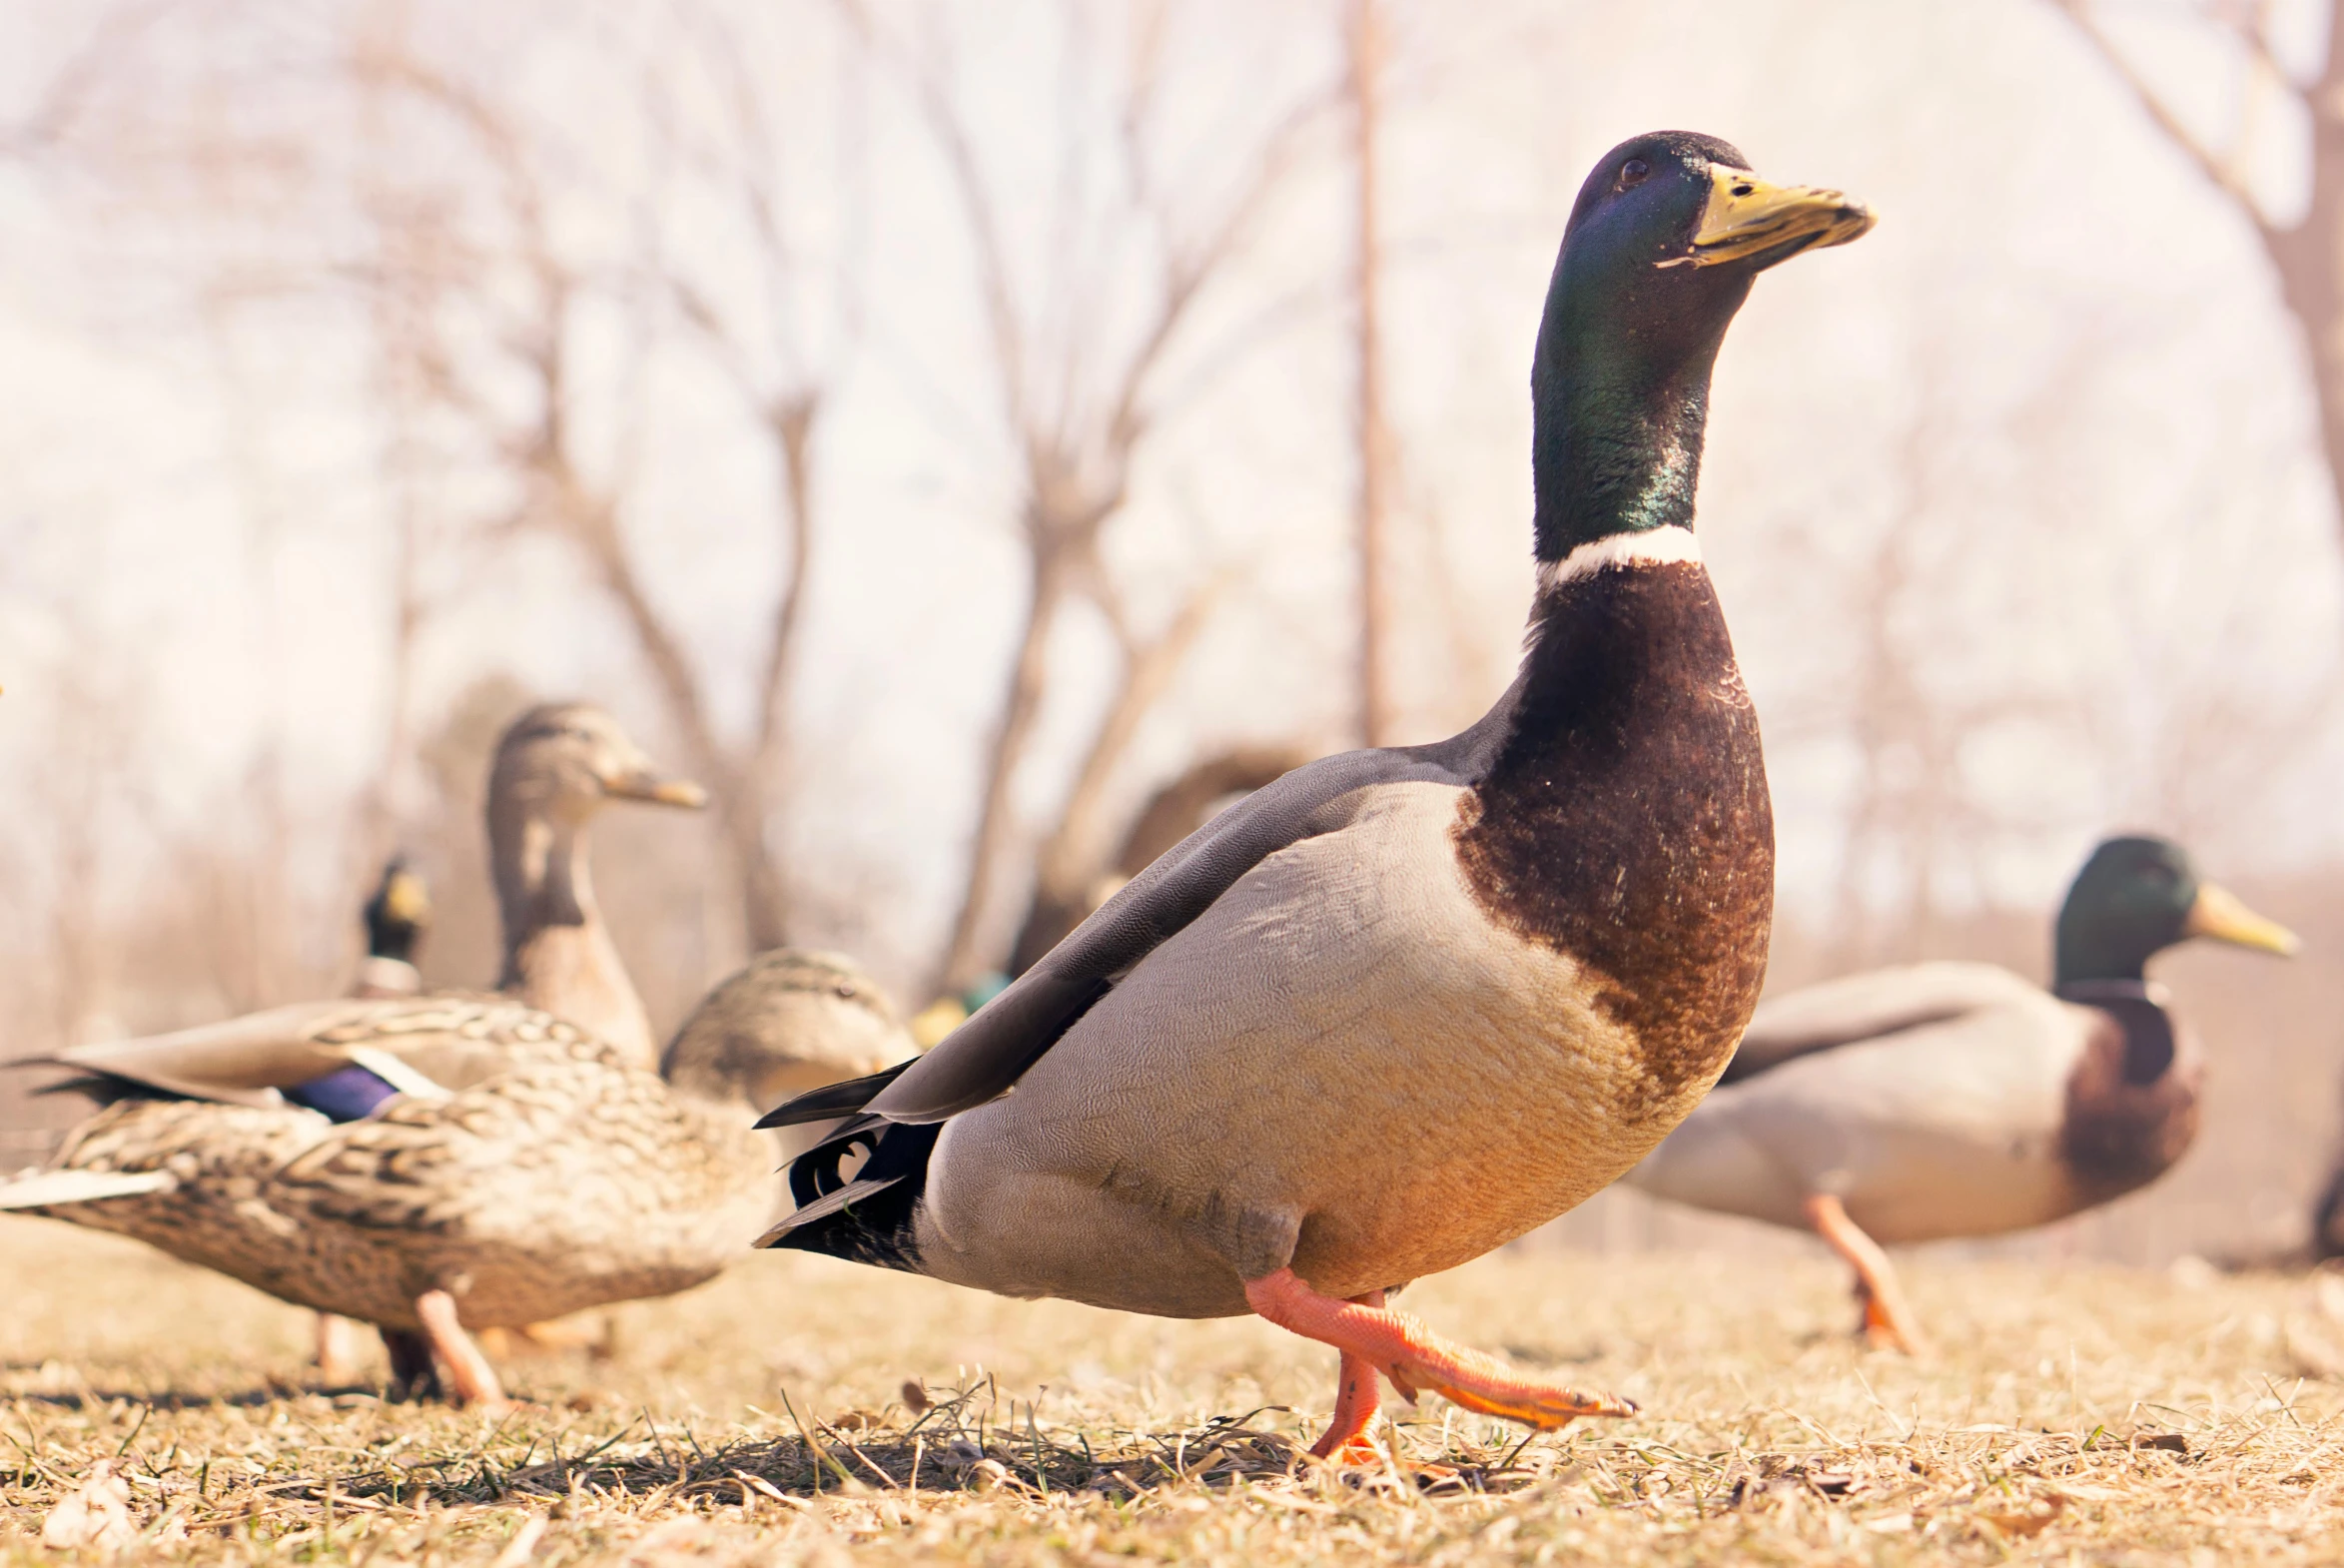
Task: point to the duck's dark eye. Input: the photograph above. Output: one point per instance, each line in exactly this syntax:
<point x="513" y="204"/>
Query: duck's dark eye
<point x="1632" y="172"/>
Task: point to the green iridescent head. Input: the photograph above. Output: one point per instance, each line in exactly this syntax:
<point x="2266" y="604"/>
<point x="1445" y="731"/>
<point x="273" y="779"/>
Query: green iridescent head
<point x="1660" y="251"/>
<point x="2139" y="895"/>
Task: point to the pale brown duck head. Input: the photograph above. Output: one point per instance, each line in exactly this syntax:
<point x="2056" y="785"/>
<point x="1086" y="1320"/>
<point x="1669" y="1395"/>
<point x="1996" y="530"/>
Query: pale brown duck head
<point x="557" y="766"/>
<point x="786" y="1022"/>
<point x="564" y="761"/>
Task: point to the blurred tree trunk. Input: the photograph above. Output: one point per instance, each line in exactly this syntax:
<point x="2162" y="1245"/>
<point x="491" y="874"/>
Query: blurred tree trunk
<point x="1076" y="383"/>
<point x="1366" y="47"/>
<point x="442" y="285"/>
<point x="2307" y="254"/>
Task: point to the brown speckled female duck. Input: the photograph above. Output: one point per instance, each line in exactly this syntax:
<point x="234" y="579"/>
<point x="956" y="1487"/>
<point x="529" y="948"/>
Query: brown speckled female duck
<point x="1953" y="1100"/>
<point x="519" y="1170"/>
<point x="556" y="767"/>
<point x="1402" y="1006"/>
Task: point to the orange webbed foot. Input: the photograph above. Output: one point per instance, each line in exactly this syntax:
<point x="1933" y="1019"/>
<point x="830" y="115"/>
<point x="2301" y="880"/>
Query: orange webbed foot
<point x="1417" y="1359"/>
<point x="1889" y="1325"/>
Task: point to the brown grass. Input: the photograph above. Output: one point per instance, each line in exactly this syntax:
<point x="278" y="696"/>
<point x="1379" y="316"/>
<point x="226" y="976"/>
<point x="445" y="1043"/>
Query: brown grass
<point x="2085" y="1415"/>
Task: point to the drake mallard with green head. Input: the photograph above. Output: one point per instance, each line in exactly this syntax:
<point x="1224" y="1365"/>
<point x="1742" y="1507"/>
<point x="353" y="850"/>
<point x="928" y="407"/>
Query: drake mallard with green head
<point x="513" y="1170"/>
<point x="1958" y="1099"/>
<point x="1401" y="1006"/>
<point x="396" y="918"/>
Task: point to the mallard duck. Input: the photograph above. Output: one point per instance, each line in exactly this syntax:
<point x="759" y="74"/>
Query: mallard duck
<point x="1401" y="1006"/>
<point x="1958" y="1099"/>
<point x="395" y="918"/>
<point x="516" y="1168"/>
<point x="556" y="766"/>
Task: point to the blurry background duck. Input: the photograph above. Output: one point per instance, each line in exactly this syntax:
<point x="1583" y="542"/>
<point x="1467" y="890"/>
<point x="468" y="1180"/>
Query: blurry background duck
<point x="556" y="767"/>
<point x="395" y="918"/>
<point x="1958" y="1099"/>
<point x="517" y="1167"/>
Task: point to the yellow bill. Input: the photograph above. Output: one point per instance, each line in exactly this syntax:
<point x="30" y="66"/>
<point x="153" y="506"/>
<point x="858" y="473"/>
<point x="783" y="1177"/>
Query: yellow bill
<point x="404" y="897"/>
<point x="2220" y="915"/>
<point x="1746" y="217"/>
<point x="660" y="792"/>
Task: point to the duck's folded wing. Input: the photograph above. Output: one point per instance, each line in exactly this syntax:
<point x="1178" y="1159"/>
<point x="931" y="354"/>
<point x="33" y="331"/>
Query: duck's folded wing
<point x="427" y="1046"/>
<point x="1004" y="1038"/>
<point x="1868" y="1005"/>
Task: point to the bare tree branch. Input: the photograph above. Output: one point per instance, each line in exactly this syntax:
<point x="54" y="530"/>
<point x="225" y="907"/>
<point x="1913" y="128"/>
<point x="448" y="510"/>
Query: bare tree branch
<point x="2217" y="171"/>
<point x="561" y="496"/>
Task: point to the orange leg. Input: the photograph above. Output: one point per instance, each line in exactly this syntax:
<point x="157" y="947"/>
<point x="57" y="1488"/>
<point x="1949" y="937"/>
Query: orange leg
<point x="1888" y="1321"/>
<point x="1415" y="1358"/>
<point x="471" y="1380"/>
<point x="336" y="1355"/>
<point x="1355" y="1402"/>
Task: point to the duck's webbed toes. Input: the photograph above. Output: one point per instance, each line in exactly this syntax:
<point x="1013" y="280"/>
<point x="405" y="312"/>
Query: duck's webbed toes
<point x="1887" y="1324"/>
<point x="1483" y="1383"/>
<point x="1417" y="1359"/>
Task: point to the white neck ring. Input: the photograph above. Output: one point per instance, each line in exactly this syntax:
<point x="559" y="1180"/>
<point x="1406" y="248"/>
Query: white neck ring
<point x="1640" y="548"/>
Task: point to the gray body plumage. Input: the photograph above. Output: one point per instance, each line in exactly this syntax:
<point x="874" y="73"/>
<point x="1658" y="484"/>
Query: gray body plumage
<point x="1176" y="1141"/>
<point x="1930" y="1100"/>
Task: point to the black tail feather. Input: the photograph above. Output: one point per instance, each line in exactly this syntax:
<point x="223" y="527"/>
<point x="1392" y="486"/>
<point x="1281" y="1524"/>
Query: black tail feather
<point x="877" y="1230"/>
<point x="832" y="1101"/>
<point x="101" y="1089"/>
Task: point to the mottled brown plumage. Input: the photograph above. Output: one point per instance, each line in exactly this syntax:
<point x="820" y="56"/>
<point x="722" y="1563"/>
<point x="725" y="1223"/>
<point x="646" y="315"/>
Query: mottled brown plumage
<point x="526" y="1171"/>
<point x="561" y="1180"/>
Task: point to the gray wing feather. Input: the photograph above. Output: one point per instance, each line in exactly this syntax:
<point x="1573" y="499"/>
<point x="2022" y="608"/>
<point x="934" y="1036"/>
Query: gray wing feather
<point x="450" y="1041"/>
<point x="986" y="1055"/>
<point x="1868" y="1007"/>
<point x="239" y="1061"/>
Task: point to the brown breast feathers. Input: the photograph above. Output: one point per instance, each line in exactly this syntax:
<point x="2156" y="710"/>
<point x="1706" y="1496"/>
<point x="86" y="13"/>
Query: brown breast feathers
<point x="2132" y="1099"/>
<point x="1626" y="819"/>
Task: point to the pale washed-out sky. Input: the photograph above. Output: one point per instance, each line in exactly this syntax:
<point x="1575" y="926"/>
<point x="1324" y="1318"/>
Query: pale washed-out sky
<point x="2113" y="506"/>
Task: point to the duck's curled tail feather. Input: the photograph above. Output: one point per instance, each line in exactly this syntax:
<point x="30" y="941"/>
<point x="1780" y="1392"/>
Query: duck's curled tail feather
<point x="856" y="1190"/>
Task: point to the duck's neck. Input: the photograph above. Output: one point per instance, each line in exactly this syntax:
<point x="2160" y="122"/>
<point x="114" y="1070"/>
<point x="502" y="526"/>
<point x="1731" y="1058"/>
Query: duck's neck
<point x="558" y="956"/>
<point x="393" y="939"/>
<point x="2077" y="957"/>
<point x="1617" y="419"/>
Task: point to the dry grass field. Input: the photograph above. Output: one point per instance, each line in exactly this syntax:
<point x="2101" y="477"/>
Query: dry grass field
<point x="2087" y="1415"/>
